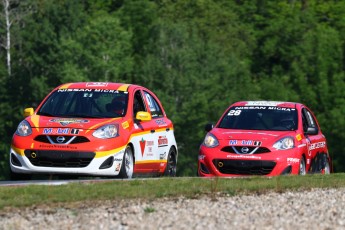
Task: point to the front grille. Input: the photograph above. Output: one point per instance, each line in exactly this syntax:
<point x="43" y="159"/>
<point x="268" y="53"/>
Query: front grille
<point x="251" y="149"/>
<point x="244" y="167"/>
<point x="52" y="139"/>
<point x="62" y="159"/>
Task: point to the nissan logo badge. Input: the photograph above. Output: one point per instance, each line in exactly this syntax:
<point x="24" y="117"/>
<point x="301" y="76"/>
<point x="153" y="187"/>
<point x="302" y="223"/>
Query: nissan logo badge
<point x="60" y="139"/>
<point x="244" y="150"/>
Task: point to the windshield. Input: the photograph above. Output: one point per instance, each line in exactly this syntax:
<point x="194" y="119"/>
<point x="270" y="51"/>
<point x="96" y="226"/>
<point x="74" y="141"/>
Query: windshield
<point x="260" y="118"/>
<point x="91" y="103"/>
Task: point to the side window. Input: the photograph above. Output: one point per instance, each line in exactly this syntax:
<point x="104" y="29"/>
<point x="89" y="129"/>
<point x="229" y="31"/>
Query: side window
<point x="308" y="120"/>
<point x="156" y="111"/>
<point x="138" y="104"/>
<point x="304" y="122"/>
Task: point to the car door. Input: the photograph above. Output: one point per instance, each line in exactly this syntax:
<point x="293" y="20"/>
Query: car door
<point x="144" y="138"/>
<point x="161" y="128"/>
<point x="315" y="141"/>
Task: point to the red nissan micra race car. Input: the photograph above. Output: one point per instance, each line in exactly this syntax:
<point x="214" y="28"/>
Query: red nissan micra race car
<point x="264" y="138"/>
<point x="95" y="128"/>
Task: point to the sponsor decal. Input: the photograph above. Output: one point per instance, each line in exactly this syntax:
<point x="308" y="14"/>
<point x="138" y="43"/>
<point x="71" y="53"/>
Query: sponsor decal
<point x="96" y="84"/>
<point x="201" y="157"/>
<point x="162" y="156"/>
<point x="56" y="131"/>
<point x="75" y="131"/>
<point x="243" y="157"/>
<point x="74" y="90"/>
<point x="58" y="146"/>
<point x="160" y="122"/>
<point x="146" y="145"/>
<point x="118" y="167"/>
<point x="317" y="145"/>
<point x="239" y="108"/>
<point x="298" y="137"/>
<point x="117" y="159"/>
<point x="142" y="146"/>
<point x="264" y="103"/>
<point x="125" y="125"/>
<point x="245" y="142"/>
<point x="68" y="121"/>
<point x="162" y="141"/>
<point x="291" y="160"/>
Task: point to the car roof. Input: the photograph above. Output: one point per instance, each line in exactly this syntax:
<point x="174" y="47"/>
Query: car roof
<point x="267" y="103"/>
<point x="98" y="85"/>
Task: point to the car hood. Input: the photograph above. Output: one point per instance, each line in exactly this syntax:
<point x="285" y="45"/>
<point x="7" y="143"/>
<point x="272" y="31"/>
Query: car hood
<point x="249" y="137"/>
<point x="37" y="121"/>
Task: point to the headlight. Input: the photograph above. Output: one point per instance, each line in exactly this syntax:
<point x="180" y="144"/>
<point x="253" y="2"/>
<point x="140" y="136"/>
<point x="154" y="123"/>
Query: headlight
<point x="107" y="131"/>
<point x="24" y="129"/>
<point x="285" y="143"/>
<point x="210" y="141"/>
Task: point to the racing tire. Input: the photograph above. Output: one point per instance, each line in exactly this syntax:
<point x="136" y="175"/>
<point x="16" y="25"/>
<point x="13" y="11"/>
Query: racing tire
<point x="127" y="166"/>
<point x="170" y="169"/>
<point x="302" y="167"/>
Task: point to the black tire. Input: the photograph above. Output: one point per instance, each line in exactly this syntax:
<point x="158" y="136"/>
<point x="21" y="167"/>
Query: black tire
<point x="170" y="169"/>
<point x="127" y="166"/>
<point x="302" y="167"/>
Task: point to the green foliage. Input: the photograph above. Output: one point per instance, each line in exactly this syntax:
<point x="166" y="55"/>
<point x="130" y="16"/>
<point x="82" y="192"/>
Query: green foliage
<point x="198" y="56"/>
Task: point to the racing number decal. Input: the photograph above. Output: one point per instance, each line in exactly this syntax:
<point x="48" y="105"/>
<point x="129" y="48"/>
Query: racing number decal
<point x="234" y="112"/>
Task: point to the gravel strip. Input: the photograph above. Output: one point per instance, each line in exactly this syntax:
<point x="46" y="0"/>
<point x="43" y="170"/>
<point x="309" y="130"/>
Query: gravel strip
<point x="315" y="209"/>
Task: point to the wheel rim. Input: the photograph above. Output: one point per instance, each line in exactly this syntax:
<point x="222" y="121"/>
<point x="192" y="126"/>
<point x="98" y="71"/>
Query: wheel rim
<point x="129" y="163"/>
<point x="327" y="169"/>
<point x="302" y="167"/>
<point x="171" y="165"/>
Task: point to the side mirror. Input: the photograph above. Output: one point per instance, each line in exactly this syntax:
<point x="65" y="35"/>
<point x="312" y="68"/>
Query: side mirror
<point x="143" y="116"/>
<point x="28" y="112"/>
<point x="209" y="127"/>
<point x="312" y="131"/>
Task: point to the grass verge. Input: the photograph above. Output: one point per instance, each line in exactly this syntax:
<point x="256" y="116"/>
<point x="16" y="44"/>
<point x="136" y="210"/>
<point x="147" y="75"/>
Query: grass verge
<point x="23" y="196"/>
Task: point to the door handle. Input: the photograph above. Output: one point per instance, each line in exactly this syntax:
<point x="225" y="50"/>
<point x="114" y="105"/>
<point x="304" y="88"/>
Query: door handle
<point x="152" y="130"/>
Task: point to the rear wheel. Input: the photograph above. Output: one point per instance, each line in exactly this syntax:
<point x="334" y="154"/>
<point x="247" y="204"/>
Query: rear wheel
<point x="170" y="169"/>
<point x="302" y="170"/>
<point x="127" y="164"/>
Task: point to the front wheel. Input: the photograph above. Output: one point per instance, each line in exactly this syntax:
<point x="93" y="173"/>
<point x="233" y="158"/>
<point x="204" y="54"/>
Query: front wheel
<point x="302" y="170"/>
<point x="327" y="169"/>
<point x="127" y="166"/>
<point x="170" y="169"/>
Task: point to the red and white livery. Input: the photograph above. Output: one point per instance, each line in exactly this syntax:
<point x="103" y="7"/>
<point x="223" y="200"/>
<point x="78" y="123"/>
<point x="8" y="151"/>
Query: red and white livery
<point x="264" y="138"/>
<point x="95" y="128"/>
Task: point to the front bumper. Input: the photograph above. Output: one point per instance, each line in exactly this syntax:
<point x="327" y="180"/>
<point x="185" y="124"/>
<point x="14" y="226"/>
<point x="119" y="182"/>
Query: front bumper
<point x="66" y="162"/>
<point x="213" y="162"/>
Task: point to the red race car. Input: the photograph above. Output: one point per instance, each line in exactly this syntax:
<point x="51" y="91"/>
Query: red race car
<point x="95" y="128"/>
<point x="264" y="138"/>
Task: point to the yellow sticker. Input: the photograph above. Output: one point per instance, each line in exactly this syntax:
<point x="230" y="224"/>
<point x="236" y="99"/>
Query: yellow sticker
<point x="125" y="125"/>
<point x="298" y="137"/>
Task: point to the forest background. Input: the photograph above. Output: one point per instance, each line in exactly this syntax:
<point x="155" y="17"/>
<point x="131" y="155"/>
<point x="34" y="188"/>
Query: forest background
<point x="198" y="56"/>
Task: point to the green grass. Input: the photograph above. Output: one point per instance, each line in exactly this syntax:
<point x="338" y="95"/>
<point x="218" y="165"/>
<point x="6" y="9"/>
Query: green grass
<point x="22" y="196"/>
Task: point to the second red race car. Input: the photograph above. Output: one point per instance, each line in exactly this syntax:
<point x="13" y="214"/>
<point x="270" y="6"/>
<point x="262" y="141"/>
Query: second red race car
<point x="264" y="138"/>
